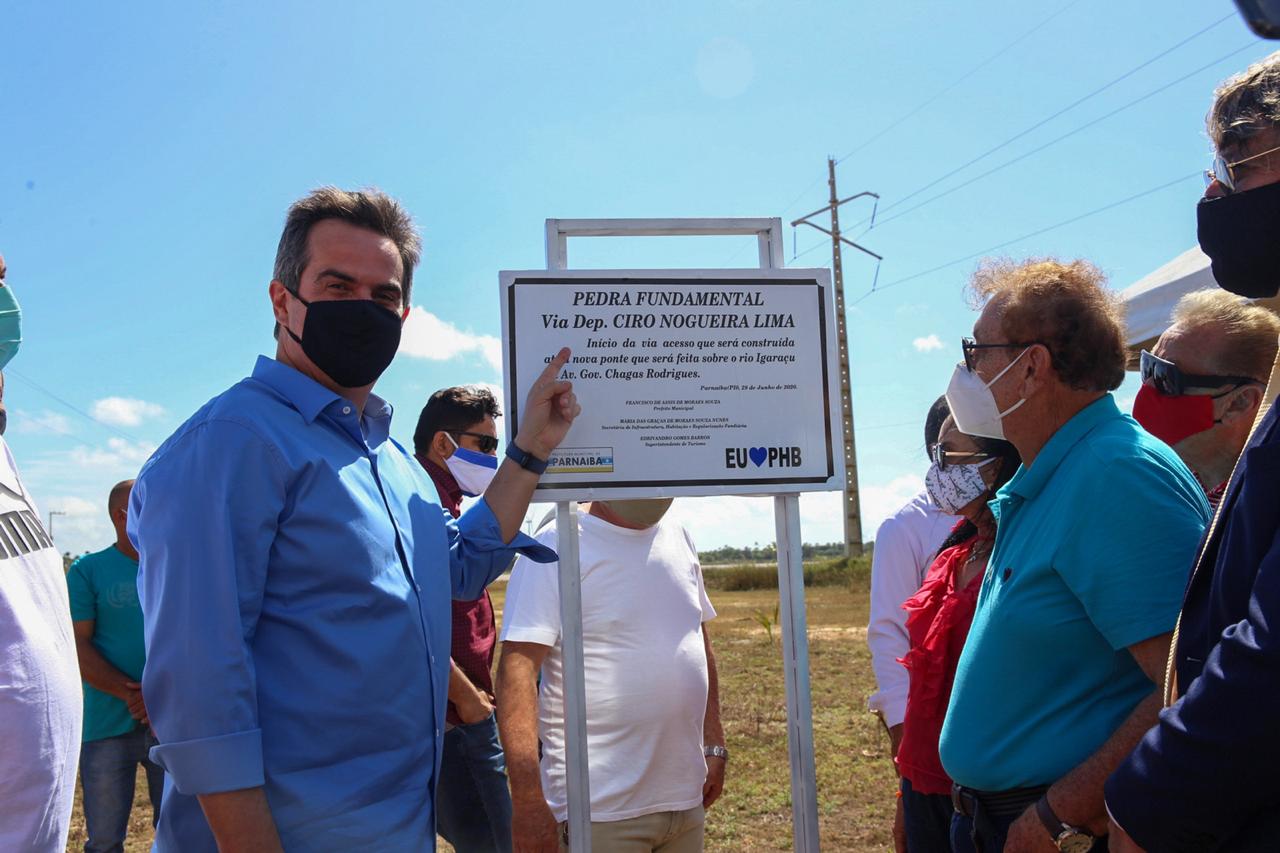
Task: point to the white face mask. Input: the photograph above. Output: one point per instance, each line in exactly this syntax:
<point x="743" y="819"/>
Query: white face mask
<point x="973" y="406"/>
<point x="473" y="470"/>
<point x="955" y="487"/>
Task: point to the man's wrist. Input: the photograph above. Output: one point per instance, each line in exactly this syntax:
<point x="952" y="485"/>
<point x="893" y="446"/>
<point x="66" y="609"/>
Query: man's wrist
<point x="533" y="447"/>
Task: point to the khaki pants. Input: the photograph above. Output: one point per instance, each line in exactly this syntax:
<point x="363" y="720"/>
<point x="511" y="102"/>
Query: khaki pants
<point x="660" y="832"/>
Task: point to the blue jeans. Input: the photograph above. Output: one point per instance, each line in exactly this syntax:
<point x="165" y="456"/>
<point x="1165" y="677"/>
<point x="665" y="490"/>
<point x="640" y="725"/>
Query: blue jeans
<point x="473" y="803"/>
<point x="108" y="774"/>
<point x="927" y="820"/>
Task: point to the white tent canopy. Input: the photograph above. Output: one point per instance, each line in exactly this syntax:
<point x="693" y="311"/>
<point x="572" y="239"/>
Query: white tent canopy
<point x="1149" y="302"/>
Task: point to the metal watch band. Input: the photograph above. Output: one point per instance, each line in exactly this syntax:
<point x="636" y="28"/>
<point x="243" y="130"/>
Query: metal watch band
<point x="715" y="752"/>
<point x="525" y="459"/>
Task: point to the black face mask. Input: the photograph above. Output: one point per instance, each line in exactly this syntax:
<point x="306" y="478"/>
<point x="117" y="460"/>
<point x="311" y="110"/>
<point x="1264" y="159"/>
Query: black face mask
<point x="1241" y="235"/>
<point x="351" y="340"/>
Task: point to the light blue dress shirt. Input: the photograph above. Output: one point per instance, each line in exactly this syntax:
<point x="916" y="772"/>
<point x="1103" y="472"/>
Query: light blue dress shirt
<point x="296" y="577"/>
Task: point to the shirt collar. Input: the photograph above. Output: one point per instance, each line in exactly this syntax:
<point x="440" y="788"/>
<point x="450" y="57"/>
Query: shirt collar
<point x="1030" y="481"/>
<point x="311" y="398"/>
<point x="443" y="478"/>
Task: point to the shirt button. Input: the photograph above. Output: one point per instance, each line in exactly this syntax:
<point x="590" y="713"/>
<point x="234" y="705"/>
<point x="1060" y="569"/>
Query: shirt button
<point x="433" y="660"/>
<point x="346" y="410"/>
<point x="418" y="587"/>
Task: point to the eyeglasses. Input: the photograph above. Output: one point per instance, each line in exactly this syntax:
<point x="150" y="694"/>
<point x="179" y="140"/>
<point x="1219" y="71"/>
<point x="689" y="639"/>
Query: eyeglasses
<point x="1166" y="378"/>
<point x="485" y="443"/>
<point x="968" y="345"/>
<point x="1224" y="172"/>
<point x="940" y="456"/>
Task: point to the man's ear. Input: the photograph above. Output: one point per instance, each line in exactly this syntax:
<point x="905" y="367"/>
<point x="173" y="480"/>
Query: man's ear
<point x="441" y="444"/>
<point x="1036" y="368"/>
<point x="279" y="301"/>
<point x="1243" y="405"/>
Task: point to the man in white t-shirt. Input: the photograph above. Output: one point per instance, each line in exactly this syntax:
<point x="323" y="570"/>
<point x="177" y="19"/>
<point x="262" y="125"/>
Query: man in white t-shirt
<point x="40" y="699"/>
<point x="654" y="741"/>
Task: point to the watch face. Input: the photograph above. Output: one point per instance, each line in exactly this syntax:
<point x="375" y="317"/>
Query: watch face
<point x="1075" y="842"/>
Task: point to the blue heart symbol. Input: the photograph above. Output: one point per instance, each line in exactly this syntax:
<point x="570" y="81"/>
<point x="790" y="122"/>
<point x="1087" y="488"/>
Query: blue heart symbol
<point x="758" y="455"/>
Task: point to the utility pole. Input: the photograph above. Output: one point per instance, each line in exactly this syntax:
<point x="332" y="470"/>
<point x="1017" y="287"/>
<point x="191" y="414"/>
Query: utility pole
<point x="52" y="513"/>
<point x="852" y="505"/>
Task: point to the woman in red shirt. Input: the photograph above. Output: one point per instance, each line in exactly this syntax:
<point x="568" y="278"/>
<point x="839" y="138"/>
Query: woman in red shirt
<point x="965" y="474"/>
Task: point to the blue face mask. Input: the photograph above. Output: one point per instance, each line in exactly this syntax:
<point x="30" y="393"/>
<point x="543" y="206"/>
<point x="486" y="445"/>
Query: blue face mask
<point x="10" y="325"/>
<point x="473" y="470"/>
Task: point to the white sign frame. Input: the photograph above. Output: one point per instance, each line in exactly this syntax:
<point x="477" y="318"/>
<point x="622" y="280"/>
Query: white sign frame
<point x="601" y="486"/>
<point x="795" y="639"/>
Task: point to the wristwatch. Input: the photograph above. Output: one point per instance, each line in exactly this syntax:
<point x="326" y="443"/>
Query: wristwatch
<point x="525" y="459"/>
<point x="1067" y="838"/>
<point x="715" y="752"/>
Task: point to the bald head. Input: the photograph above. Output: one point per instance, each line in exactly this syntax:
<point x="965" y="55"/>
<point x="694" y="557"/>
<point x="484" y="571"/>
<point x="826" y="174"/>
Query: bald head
<point x="119" y="498"/>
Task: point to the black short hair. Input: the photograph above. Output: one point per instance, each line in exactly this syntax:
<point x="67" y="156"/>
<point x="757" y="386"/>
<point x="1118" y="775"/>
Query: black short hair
<point x="933" y="422"/>
<point x="455" y="409"/>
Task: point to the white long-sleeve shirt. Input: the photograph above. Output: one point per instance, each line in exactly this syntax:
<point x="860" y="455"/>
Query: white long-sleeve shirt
<point x="906" y="544"/>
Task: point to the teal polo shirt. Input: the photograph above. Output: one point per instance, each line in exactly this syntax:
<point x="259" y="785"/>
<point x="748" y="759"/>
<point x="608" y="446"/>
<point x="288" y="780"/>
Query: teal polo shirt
<point x="103" y="586"/>
<point x="1093" y="547"/>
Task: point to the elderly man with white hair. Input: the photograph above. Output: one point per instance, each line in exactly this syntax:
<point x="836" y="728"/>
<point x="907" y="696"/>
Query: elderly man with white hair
<point x="1202" y="383"/>
<point x="1203" y="778"/>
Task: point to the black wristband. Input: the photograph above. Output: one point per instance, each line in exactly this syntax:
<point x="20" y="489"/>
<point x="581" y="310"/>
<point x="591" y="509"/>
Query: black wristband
<point x="525" y="459"/>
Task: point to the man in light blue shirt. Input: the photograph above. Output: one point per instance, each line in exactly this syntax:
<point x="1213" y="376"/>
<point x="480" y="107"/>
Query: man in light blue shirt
<point x="296" y="572"/>
<point x="1096" y="532"/>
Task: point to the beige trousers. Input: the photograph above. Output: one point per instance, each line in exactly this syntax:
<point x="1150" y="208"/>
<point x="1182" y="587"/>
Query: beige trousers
<point x="660" y="832"/>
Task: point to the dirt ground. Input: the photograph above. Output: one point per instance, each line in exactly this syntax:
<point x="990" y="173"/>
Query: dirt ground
<point x="855" y="781"/>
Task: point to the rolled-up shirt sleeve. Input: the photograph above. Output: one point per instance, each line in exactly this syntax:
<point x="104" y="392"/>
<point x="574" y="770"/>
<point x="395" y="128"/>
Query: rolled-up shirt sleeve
<point x="478" y="554"/>
<point x="203" y="516"/>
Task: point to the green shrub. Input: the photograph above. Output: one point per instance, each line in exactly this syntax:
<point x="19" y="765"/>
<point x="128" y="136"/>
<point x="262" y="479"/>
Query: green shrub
<point x="839" y="571"/>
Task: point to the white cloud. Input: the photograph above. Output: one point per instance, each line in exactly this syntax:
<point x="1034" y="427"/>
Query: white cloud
<point x="45" y="421"/>
<point x="119" y="453"/>
<point x="124" y="411"/>
<point x="427" y="336"/>
<point x="929" y="344"/>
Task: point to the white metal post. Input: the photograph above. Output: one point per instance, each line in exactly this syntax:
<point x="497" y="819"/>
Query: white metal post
<point x="795" y="662"/>
<point x="577" y="778"/>
<point x="804" y="794"/>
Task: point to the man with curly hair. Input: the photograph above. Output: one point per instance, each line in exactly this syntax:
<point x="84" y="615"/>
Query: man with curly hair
<point x="1060" y="673"/>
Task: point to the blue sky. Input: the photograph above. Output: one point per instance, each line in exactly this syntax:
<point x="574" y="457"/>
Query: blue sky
<point x="149" y="152"/>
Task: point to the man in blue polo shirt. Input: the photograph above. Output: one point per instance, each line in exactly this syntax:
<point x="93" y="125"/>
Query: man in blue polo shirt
<point x="107" y="621"/>
<point x="296" y="571"/>
<point x="1058" y="679"/>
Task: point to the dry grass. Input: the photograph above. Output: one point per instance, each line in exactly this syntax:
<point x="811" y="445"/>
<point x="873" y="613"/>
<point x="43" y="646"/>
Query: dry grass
<point x="855" y="780"/>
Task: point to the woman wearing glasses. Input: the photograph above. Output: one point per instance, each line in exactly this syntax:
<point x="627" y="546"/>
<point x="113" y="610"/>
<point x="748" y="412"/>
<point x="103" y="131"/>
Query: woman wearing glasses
<point x="965" y="474"/>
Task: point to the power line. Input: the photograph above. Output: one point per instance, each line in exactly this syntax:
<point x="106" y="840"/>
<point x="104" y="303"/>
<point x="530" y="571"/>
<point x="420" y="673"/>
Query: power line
<point x="1061" y="138"/>
<point x="918" y="109"/>
<point x="9" y="371"/>
<point x="1067" y="108"/>
<point x="1196" y="174"/>
<point x="957" y="81"/>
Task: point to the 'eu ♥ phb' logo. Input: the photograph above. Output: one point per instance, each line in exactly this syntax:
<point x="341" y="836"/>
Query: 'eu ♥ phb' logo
<point x="762" y="457"/>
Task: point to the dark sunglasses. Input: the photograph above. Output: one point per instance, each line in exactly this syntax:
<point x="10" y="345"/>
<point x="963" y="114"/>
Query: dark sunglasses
<point x="968" y="345"/>
<point x="1166" y="378"/>
<point x="942" y="457"/>
<point x="485" y="443"/>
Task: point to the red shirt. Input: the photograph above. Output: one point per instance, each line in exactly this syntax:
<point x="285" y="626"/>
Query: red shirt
<point x="474" y="630"/>
<point x="938" y="619"/>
